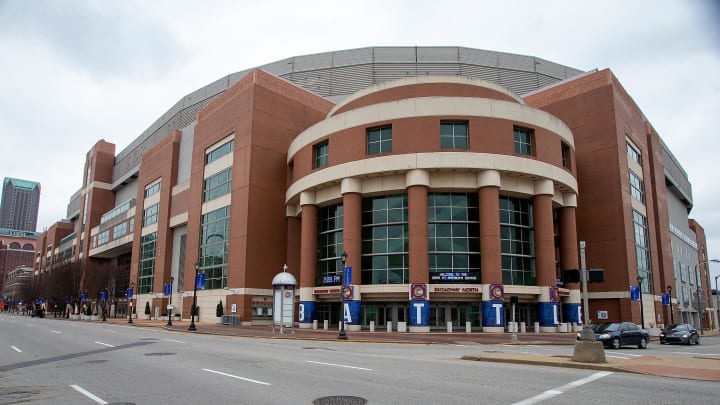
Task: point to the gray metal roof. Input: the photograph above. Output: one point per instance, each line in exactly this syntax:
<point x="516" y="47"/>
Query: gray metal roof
<point x="335" y="75"/>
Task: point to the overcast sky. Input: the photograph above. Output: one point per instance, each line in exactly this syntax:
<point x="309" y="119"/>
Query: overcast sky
<point x="74" y="72"/>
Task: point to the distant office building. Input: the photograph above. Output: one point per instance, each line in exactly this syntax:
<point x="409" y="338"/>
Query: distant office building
<point x="20" y="202"/>
<point x="17" y="249"/>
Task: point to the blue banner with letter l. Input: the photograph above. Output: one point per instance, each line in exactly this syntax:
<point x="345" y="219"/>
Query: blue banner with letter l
<point x="83" y="297"/>
<point x="103" y="296"/>
<point x="166" y="290"/>
<point x="200" y="282"/>
<point x="129" y="293"/>
<point x="666" y="299"/>
<point x="634" y="293"/>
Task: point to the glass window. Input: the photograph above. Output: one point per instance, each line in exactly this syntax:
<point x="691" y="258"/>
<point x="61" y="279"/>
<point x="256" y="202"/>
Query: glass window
<point x="330" y="245"/>
<point x="385" y="240"/>
<point x="155" y="188"/>
<point x="565" y="150"/>
<point x="320" y="154"/>
<point x="642" y="251"/>
<point x="453" y="135"/>
<point x="146" y="268"/>
<point x="217" y="185"/>
<point x="453" y="238"/>
<point x="523" y="141"/>
<point x="517" y="241"/>
<point x="119" y="230"/>
<point x="220" y="151"/>
<point x="103" y="237"/>
<point x="636" y="187"/>
<point x="150" y="215"/>
<point x="214" y="247"/>
<point x="379" y="140"/>
<point x="633" y="153"/>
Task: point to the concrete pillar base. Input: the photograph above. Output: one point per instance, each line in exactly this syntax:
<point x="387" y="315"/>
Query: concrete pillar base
<point x="588" y="352"/>
<point x="548" y="329"/>
<point x="419" y="329"/>
<point x="493" y="329"/>
<point x="306" y="326"/>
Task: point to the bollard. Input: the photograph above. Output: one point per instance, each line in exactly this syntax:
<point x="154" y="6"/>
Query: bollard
<point x="389" y="327"/>
<point x="314" y="323"/>
<point x="468" y="327"/>
<point x="326" y="324"/>
<point x="522" y="327"/>
<point x="372" y="326"/>
<point x="402" y="326"/>
<point x="449" y="327"/>
<point x="536" y="326"/>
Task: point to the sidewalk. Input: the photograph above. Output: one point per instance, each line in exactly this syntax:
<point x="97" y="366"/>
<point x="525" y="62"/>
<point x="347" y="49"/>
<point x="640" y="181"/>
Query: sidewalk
<point x="696" y="368"/>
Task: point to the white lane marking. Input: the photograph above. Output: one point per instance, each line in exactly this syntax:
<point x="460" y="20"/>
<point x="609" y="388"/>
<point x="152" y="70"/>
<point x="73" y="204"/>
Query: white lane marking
<point x="698" y="353"/>
<point x="236" y="376"/>
<point x="338" y="365"/>
<point x="104" y="344"/>
<point x="28" y="324"/>
<point x="176" y="341"/>
<point x="564" y="388"/>
<point x="88" y="394"/>
<point x="16" y="349"/>
<point x="55" y="331"/>
<point x="109" y="331"/>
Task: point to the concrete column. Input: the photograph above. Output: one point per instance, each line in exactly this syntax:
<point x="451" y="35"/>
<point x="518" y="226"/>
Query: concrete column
<point x="417" y="188"/>
<point x="489" y="201"/>
<point x="544" y="233"/>
<point x="351" y="189"/>
<point x="308" y="257"/>
<point x="569" y="255"/>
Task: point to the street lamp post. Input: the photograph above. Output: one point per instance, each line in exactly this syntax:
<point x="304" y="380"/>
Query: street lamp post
<point x="169" y="307"/>
<point x="672" y="317"/>
<point x="342" y="335"/>
<point x="130" y="305"/>
<point x="193" y="308"/>
<point x="642" y="312"/>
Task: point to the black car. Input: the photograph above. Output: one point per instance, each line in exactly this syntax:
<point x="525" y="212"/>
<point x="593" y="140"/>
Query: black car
<point x="617" y="334"/>
<point x="680" y="333"/>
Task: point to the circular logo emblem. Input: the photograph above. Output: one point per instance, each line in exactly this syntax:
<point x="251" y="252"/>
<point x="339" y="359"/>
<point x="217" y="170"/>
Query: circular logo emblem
<point x="554" y="296"/>
<point x="496" y="291"/>
<point x="288" y="294"/>
<point x="347" y="292"/>
<point x="418" y="291"/>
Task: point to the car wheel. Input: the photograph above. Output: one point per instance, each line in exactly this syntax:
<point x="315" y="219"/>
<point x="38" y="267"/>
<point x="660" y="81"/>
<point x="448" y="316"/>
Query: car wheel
<point x="697" y="342"/>
<point x="642" y="344"/>
<point x="689" y="342"/>
<point x="616" y="343"/>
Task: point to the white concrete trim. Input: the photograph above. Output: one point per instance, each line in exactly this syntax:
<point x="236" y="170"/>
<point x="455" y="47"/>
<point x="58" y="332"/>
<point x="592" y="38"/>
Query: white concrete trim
<point x="178" y="220"/>
<point x="307" y="198"/>
<point x="149" y="229"/>
<point x="217" y="203"/>
<point x="430" y="107"/>
<point x="417" y="177"/>
<point x="152" y="200"/>
<point x="218" y="165"/>
<point x="387" y="166"/>
<point x="425" y="80"/>
<point x="180" y="187"/>
<point x="488" y="178"/>
<point x="570" y="200"/>
<point x="97" y="184"/>
<point x="638" y="206"/>
<point x="219" y="144"/>
<point x="544" y="187"/>
<point x="350" y="185"/>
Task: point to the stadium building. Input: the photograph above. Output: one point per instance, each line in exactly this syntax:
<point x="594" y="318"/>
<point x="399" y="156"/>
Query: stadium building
<point x="458" y="182"/>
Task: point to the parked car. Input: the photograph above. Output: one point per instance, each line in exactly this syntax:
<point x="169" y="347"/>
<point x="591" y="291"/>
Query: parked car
<point x="617" y="334"/>
<point x="680" y="333"/>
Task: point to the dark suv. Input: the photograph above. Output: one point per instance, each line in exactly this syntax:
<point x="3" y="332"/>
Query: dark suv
<point x="680" y="333"/>
<point x="617" y="334"/>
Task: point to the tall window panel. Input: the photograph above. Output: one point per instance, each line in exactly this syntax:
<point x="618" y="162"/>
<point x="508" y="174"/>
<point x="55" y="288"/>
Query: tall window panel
<point x="517" y="241"/>
<point x="154" y="189"/>
<point x="214" y="247"/>
<point x="217" y="185"/>
<point x="146" y="268"/>
<point x="150" y="215"/>
<point x="220" y="151"/>
<point x="454" y="237"/>
<point x="522" y="138"/>
<point x="454" y="135"/>
<point x="379" y="140"/>
<point x="637" y="189"/>
<point x="385" y="240"/>
<point x="633" y="153"/>
<point x="330" y="245"/>
<point x="320" y="154"/>
<point x="642" y="251"/>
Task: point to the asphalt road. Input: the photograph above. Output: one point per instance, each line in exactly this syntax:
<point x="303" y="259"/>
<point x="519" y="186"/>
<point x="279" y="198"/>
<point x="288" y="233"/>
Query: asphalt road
<point x="48" y="361"/>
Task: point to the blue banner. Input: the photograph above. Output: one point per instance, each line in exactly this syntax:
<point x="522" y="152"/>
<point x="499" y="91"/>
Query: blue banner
<point x="347" y="275"/>
<point x="419" y="313"/>
<point x="351" y="312"/>
<point x="306" y="311"/>
<point x="166" y="289"/>
<point x="666" y="299"/>
<point x="83" y="297"/>
<point x="200" y="282"/>
<point x="573" y="313"/>
<point x="634" y="293"/>
<point x="129" y="293"/>
<point x="103" y="295"/>
<point x="493" y="314"/>
<point x="547" y="313"/>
